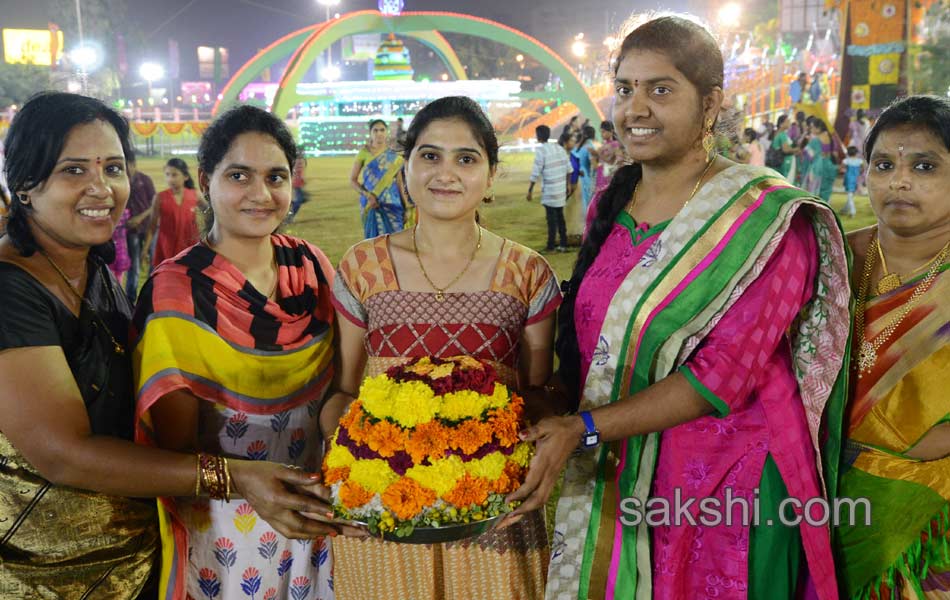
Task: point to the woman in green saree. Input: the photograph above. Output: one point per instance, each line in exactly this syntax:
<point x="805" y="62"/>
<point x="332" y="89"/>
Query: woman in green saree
<point x="897" y="451"/>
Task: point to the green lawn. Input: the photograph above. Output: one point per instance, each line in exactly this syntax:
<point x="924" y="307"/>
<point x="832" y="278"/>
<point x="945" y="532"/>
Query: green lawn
<point x="331" y="218"/>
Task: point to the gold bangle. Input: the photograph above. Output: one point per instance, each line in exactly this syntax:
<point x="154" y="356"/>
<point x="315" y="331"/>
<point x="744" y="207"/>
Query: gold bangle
<point x="227" y="480"/>
<point x="197" y="475"/>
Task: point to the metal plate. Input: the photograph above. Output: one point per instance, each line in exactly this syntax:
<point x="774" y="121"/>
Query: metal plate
<point x="441" y="535"/>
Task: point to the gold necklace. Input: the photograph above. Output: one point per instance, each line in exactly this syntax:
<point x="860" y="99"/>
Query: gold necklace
<point x="891" y="281"/>
<point x="867" y="354"/>
<point x="633" y="199"/>
<point x="82" y="300"/>
<point x="440" y="292"/>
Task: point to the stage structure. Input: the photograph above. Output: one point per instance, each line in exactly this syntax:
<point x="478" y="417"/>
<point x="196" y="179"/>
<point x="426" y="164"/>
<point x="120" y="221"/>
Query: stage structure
<point x="334" y="114"/>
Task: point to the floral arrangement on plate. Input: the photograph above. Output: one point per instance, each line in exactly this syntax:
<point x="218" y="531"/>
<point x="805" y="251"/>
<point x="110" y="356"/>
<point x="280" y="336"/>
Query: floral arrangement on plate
<point x="430" y="444"/>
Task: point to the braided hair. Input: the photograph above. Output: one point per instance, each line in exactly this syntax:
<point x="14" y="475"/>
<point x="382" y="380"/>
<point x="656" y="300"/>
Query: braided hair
<point x="695" y="53"/>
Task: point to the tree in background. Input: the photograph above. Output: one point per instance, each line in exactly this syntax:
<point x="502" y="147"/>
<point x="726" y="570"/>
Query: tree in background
<point x="19" y="82"/>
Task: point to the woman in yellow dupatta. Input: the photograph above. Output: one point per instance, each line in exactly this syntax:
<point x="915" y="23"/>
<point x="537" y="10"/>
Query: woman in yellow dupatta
<point x="897" y="453"/>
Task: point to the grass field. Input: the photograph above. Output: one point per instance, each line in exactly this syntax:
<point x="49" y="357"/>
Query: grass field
<point x="331" y="219"/>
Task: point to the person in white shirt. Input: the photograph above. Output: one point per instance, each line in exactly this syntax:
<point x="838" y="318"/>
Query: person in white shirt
<point x="551" y="166"/>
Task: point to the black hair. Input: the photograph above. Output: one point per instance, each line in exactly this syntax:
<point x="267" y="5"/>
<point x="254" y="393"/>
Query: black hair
<point x="564" y="138"/>
<point x="130" y="158"/>
<point x="695" y="53"/>
<point x="542" y="132"/>
<point x="927" y="112"/>
<point x="820" y="124"/>
<point x="750" y="134"/>
<point x="811" y="119"/>
<point x="373" y="122"/>
<point x="181" y="165"/>
<point x="859" y="115"/>
<point x="461" y="108"/>
<point x="218" y="137"/>
<point x="778" y="125"/>
<point x="34" y="142"/>
<point x="852" y="151"/>
<point x="607" y="126"/>
<point x="587" y="133"/>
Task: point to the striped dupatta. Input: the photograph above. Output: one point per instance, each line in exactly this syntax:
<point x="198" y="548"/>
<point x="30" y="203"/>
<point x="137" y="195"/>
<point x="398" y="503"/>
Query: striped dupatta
<point x="905" y="551"/>
<point x="710" y="253"/>
<point x="201" y="326"/>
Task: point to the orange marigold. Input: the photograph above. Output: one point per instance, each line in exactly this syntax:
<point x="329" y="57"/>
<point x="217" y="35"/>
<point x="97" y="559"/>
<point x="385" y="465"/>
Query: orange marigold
<point x="505" y="425"/>
<point x="469" y="490"/>
<point x="338" y="474"/>
<point x="406" y="498"/>
<point x="429" y="439"/>
<point x="515" y="474"/>
<point x="385" y="438"/>
<point x="471" y="435"/>
<point x="353" y="415"/>
<point x="353" y="495"/>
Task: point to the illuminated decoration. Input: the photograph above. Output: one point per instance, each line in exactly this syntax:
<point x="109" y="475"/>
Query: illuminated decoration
<point x="304" y="46"/>
<point x="32" y="46"/>
<point x="391" y="8"/>
<point x="392" y="61"/>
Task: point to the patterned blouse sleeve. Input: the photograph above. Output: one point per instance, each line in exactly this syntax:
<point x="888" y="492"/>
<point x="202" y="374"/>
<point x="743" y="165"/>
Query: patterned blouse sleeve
<point x="543" y="293"/>
<point x="725" y="366"/>
<point x="348" y="291"/>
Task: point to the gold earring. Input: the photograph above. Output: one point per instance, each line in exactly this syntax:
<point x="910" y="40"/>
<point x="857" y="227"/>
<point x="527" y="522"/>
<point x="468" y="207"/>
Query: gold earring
<point x="709" y="141"/>
<point x="489" y="197"/>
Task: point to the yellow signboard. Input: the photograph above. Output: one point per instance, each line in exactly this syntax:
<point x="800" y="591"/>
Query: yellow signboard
<point x="31" y="46"/>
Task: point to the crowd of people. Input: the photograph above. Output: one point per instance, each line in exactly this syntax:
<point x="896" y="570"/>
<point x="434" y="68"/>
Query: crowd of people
<point x="719" y="337"/>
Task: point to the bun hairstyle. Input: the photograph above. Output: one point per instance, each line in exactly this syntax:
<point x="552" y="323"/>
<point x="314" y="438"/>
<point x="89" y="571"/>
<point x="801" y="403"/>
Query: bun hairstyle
<point x="694" y="52"/>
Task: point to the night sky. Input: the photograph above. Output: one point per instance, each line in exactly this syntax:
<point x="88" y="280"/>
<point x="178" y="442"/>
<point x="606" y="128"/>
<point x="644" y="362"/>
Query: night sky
<point x="244" y="26"/>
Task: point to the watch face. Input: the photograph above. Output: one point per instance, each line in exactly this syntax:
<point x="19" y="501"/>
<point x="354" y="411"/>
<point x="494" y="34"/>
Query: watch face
<point x="591" y="439"/>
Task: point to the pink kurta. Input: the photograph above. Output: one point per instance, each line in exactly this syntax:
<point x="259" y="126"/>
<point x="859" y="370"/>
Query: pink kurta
<point x="744" y="364"/>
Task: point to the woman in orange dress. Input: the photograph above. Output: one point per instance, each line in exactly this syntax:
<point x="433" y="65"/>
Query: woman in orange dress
<point x="177" y="223"/>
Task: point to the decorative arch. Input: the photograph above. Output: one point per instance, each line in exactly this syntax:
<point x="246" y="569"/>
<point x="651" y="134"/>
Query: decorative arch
<point x="307" y="44"/>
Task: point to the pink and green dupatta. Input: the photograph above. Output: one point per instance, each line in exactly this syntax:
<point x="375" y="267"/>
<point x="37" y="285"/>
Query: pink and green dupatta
<point x="711" y="252"/>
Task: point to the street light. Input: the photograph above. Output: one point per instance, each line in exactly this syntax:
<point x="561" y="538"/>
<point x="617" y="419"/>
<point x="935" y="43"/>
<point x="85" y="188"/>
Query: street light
<point x="729" y="15"/>
<point x="331" y="73"/>
<point x="150" y="72"/>
<point x="327" y="4"/>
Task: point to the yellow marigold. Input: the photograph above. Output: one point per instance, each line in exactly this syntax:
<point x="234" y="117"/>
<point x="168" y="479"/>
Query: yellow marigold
<point x="500" y="397"/>
<point x="441" y="475"/>
<point x="353" y="495"/>
<point x="338" y="456"/>
<point x="374" y="474"/>
<point x="332" y="476"/>
<point x="467" y="362"/>
<point x="406" y="498"/>
<point x="413" y="403"/>
<point x="489" y="467"/>
<point x="522" y="454"/>
<point x="464" y="404"/>
<point x="385" y="438"/>
<point x="469" y="490"/>
<point x="471" y="435"/>
<point x="428" y="440"/>
<point x="376" y="395"/>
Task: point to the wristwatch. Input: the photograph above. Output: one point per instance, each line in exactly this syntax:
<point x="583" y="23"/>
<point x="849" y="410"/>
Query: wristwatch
<point x="591" y="437"/>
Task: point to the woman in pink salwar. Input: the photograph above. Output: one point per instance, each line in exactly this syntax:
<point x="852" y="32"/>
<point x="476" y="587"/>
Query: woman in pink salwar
<point x="703" y="334"/>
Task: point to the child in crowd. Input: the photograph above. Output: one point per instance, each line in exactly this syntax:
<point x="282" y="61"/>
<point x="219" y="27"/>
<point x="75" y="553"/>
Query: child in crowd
<point x="853" y="165"/>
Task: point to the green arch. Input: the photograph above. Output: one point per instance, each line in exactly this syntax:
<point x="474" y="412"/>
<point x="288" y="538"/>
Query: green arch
<point x="311" y="41"/>
<point x="297" y="41"/>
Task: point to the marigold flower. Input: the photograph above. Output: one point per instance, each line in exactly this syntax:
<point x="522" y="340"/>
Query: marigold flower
<point x="522" y="454"/>
<point x="489" y="467"/>
<point x="373" y="474"/>
<point x="505" y="425"/>
<point x="471" y="435"/>
<point x="332" y="476"/>
<point x="469" y="490"/>
<point x="414" y="402"/>
<point x="376" y="394"/>
<point x="428" y="440"/>
<point x="464" y="404"/>
<point x="406" y="498"/>
<point x="338" y="456"/>
<point x="441" y="475"/>
<point x="385" y="439"/>
<point x="353" y="495"/>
